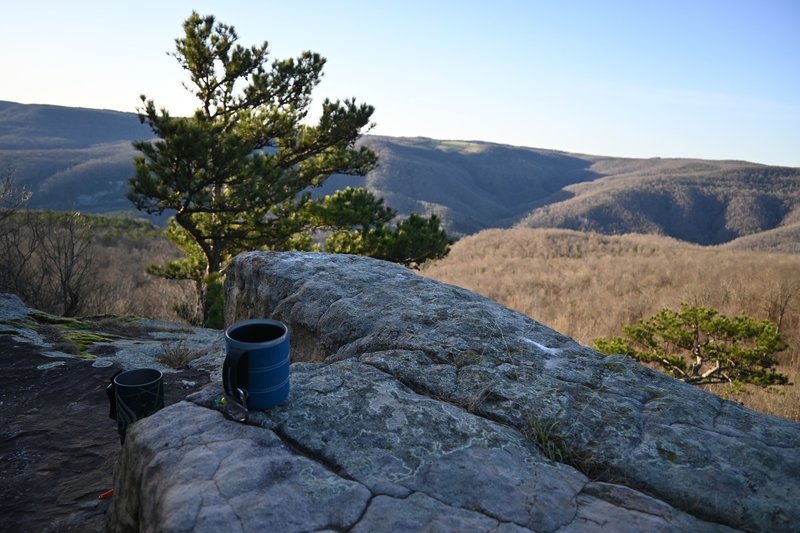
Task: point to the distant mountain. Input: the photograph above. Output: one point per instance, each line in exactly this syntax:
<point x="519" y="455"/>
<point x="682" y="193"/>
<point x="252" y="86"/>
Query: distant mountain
<point x="74" y="158"/>
<point x="704" y="202"/>
<point x="24" y="126"/>
<point x="471" y="185"/>
<point x="70" y="158"/>
<point x="784" y="239"/>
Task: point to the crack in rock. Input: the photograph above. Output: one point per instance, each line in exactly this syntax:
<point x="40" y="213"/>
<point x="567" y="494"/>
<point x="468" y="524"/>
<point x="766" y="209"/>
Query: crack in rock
<point x="406" y="355"/>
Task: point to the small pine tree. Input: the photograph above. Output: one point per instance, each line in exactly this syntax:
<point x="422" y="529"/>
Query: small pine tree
<point x="365" y="228"/>
<point x="700" y="346"/>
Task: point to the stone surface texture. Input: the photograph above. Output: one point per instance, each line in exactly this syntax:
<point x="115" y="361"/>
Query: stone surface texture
<point x="58" y="446"/>
<point x="419" y="406"/>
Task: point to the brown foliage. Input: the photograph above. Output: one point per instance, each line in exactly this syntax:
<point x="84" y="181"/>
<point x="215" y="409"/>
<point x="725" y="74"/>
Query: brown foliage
<point x="123" y="287"/>
<point x="589" y="285"/>
<point x="87" y="265"/>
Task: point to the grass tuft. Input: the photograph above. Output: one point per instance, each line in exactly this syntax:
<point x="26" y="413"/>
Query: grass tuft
<point x="177" y="355"/>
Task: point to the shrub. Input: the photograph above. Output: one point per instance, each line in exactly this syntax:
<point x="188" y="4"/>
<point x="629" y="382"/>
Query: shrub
<point x="699" y="345"/>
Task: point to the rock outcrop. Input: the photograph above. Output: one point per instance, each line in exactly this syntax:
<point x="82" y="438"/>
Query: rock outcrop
<point x="417" y="405"/>
<point x="57" y="445"/>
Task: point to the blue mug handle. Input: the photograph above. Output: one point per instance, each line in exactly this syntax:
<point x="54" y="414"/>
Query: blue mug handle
<point x="234" y="376"/>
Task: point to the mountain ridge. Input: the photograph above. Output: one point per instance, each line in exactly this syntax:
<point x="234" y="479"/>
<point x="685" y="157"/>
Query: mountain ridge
<point x="79" y="158"/>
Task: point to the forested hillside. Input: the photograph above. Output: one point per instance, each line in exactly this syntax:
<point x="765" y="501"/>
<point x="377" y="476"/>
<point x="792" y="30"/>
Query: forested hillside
<point x="704" y="202"/>
<point x="72" y="158"/>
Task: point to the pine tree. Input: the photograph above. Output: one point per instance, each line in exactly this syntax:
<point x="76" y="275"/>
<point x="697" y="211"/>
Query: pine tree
<point x="238" y="173"/>
<point x="699" y="345"/>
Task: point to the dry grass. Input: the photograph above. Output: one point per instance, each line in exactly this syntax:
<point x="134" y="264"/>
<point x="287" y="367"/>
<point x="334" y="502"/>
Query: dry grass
<point x="177" y="354"/>
<point x="589" y="285"/>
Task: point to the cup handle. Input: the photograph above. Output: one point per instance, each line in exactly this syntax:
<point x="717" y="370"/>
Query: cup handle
<point x="234" y="375"/>
<point x="111" y="392"/>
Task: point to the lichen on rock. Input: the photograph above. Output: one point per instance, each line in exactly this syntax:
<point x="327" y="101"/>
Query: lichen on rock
<point x="432" y="407"/>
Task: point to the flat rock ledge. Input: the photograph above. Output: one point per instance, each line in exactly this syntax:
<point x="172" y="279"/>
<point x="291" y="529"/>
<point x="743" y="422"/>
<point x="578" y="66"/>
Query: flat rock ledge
<point x="419" y="406"/>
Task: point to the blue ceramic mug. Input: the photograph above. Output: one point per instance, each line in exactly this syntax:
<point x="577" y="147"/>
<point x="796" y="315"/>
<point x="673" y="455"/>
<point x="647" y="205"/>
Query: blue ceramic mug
<point x="255" y="373"/>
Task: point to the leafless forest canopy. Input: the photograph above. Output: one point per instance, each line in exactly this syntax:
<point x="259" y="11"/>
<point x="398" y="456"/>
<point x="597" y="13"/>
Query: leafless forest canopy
<point x="588" y="285"/>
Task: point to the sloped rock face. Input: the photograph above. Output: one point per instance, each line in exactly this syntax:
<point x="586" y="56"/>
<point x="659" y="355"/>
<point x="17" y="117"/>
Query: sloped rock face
<point x="57" y="444"/>
<point x="434" y="408"/>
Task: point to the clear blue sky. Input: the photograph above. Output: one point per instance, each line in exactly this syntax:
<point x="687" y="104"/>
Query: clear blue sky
<point x="715" y="79"/>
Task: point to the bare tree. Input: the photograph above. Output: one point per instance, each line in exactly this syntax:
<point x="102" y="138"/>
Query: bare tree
<point x="16" y="251"/>
<point x="778" y="301"/>
<point x="65" y="259"/>
<point x="18" y="257"/>
<point x="12" y="197"/>
<point x="45" y="258"/>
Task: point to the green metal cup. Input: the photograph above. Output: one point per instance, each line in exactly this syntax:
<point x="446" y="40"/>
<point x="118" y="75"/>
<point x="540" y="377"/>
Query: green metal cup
<point x="133" y="395"/>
